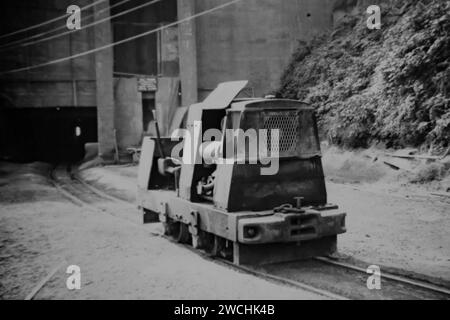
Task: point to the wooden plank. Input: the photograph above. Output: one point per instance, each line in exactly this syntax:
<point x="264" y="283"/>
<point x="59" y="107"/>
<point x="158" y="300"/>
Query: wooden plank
<point x="397" y="163"/>
<point x="412" y="156"/>
<point x="406" y="152"/>
<point x="441" y="194"/>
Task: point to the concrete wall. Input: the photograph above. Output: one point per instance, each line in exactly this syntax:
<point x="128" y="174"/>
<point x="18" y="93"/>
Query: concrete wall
<point x="69" y="83"/>
<point x="254" y="39"/>
<point x="140" y="55"/>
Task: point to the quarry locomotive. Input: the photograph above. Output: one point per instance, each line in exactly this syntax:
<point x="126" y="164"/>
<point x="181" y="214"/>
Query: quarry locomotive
<point x="225" y="204"/>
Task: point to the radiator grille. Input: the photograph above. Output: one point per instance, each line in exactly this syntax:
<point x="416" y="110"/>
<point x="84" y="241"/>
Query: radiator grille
<point x="288" y="125"/>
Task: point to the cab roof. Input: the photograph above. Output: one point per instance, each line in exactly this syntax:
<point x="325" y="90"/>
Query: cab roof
<point x="225" y="95"/>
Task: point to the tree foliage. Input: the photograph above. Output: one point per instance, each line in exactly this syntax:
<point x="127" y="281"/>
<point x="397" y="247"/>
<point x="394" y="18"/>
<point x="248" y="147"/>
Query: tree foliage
<point x="390" y="85"/>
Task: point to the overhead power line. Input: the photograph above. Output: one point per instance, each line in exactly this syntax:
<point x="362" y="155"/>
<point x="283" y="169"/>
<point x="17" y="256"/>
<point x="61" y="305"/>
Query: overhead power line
<point x="86" y="26"/>
<point x="48" y="21"/>
<point x="61" y="27"/>
<point x="110" y="45"/>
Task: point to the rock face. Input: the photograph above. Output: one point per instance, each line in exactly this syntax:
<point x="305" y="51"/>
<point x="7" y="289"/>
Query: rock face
<point x="390" y="85"/>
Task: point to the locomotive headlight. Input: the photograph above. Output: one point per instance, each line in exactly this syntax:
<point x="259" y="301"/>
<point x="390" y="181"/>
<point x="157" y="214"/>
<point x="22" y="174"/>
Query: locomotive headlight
<point x="250" y="232"/>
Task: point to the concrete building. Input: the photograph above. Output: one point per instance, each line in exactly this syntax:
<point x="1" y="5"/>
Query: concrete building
<point x="48" y="113"/>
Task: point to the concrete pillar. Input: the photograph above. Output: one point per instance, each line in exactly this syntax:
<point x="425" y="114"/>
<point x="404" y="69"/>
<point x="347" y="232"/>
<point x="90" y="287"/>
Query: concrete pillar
<point x="128" y="116"/>
<point x="104" y="84"/>
<point x="188" y="52"/>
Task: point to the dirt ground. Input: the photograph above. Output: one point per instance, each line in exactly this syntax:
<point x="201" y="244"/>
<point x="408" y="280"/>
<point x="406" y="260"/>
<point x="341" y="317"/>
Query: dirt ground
<point x="40" y="229"/>
<point x="395" y="231"/>
<point x="390" y="223"/>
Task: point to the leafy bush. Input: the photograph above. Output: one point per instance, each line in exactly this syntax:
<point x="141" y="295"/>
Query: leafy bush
<point x="390" y="85"/>
<point x="430" y="172"/>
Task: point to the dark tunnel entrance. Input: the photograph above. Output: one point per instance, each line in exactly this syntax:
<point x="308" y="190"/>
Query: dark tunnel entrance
<point x="46" y="134"/>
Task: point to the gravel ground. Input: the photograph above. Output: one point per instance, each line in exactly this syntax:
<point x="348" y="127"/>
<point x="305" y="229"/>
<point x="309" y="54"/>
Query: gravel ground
<point x="394" y="231"/>
<point x="40" y="230"/>
<point x="385" y="227"/>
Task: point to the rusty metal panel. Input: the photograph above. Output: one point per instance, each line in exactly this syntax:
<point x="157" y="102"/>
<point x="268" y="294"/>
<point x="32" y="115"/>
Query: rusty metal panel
<point x="249" y="190"/>
<point x="258" y="254"/>
<point x="210" y="218"/>
<point x="223" y="95"/>
<point x="274" y="228"/>
<point x="292" y="227"/>
<point x="224" y="176"/>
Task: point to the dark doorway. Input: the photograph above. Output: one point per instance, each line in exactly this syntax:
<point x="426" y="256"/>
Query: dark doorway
<point x="46" y="134"/>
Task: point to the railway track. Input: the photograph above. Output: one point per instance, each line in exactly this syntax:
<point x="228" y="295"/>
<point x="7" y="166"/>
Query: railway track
<point x="68" y="183"/>
<point x="390" y="276"/>
<point x="326" y="277"/>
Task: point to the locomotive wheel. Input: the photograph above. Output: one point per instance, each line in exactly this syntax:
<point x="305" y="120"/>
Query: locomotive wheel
<point x="183" y="236"/>
<point x="168" y="227"/>
<point x="177" y="231"/>
<point x="226" y="249"/>
<point x="217" y="246"/>
<point x="210" y="244"/>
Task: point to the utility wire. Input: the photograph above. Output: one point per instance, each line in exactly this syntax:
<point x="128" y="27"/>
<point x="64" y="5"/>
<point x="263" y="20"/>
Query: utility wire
<point x="84" y="18"/>
<point x="26" y="44"/>
<point x="48" y="21"/>
<point x="81" y="54"/>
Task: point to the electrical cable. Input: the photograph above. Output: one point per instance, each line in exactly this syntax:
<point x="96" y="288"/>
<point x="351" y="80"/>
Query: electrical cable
<point x="86" y="26"/>
<point x="81" y="54"/>
<point x="48" y="21"/>
<point x="84" y="18"/>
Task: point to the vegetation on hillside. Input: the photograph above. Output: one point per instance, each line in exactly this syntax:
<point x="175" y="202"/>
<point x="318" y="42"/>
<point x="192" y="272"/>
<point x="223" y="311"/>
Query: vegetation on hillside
<point x="390" y="85"/>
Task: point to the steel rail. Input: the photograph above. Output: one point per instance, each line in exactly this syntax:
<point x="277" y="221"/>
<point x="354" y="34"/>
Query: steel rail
<point x="386" y="275"/>
<point x="245" y="269"/>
